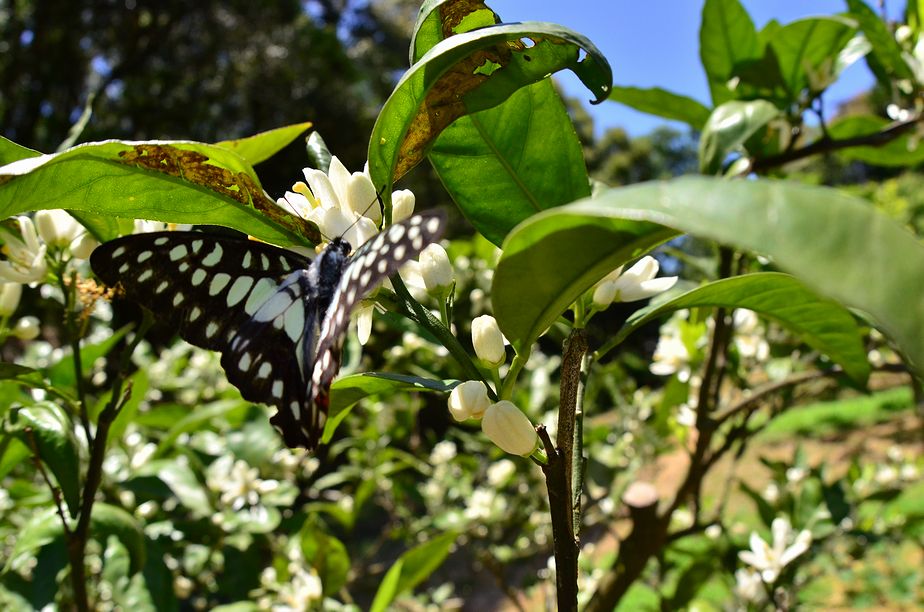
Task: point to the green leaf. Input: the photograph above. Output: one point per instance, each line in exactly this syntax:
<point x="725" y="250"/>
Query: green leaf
<point x="727" y="37"/>
<point x="552" y="258"/>
<point x="902" y="151"/>
<point x="195" y="420"/>
<point x="318" y="153"/>
<point x="412" y="567"/>
<point x="663" y="103"/>
<point x="467" y="73"/>
<point x="45" y="527"/>
<point x="262" y="146"/>
<point x="728" y="127"/>
<point x="180" y="182"/>
<point x="886" y="49"/>
<point x="327" y="555"/>
<point x="10" y="151"/>
<point x="807" y="51"/>
<point x="837" y="244"/>
<point x="183" y="482"/>
<point x="47" y="429"/>
<point x="14" y="370"/>
<point x="346" y="392"/>
<point x="820" y="323"/>
<point x="503" y="155"/>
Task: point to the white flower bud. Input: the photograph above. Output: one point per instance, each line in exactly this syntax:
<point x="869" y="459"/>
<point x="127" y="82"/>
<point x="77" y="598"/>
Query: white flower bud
<point x="435" y="269"/>
<point x="509" y="428"/>
<point x="83" y="247"/>
<point x="402" y="205"/>
<point x="361" y="197"/>
<point x="468" y="400"/>
<point x="9" y="298"/>
<point x="56" y="227"/>
<point x="27" y="328"/>
<point x="364" y="323"/>
<point x="488" y="341"/>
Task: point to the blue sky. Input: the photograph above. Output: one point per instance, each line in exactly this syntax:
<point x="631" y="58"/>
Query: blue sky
<point x="656" y="43"/>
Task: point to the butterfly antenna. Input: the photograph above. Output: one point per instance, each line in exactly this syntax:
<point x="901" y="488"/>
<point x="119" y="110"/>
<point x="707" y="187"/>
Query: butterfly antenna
<point x="378" y="198"/>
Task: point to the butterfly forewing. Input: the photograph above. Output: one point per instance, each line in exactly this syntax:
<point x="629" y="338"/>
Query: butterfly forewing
<point x="278" y="318"/>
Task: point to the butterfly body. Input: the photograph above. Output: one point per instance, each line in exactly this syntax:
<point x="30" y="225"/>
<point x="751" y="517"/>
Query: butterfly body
<point x="278" y="318"/>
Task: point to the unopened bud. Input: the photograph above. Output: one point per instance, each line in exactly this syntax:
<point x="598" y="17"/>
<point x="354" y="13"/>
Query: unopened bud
<point x="468" y="400"/>
<point x="509" y="428"/>
<point x="488" y="341"/>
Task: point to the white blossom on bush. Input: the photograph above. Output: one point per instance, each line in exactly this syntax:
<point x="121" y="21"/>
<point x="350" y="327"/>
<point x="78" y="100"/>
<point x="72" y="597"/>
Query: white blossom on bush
<point x="509" y="428"/>
<point x="636" y="283"/>
<point x="25" y="254"/>
<point x="671" y="355"/>
<point x="770" y="560"/>
<point x="488" y="341"/>
<point x="468" y="400"/>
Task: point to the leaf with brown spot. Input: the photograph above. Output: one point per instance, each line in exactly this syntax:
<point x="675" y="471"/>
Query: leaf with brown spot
<point x="175" y="182"/>
<point x="468" y="73"/>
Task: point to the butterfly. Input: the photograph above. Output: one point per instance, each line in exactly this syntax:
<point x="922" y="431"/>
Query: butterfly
<point x="279" y="319"/>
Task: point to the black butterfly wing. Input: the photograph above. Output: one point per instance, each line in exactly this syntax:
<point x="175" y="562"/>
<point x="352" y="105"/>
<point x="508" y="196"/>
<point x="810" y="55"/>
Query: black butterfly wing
<point x="219" y="292"/>
<point x="372" y="263"/>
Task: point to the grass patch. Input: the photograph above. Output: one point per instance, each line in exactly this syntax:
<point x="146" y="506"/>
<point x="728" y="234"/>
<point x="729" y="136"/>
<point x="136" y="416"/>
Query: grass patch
<point x="840" y="415"/>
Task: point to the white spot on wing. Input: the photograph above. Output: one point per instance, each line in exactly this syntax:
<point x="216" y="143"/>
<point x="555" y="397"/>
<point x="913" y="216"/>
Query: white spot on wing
<point x="262" y="290"/>
<point x="214" y="257"/>
<point x="197" y="277"/>
<point x="273" y="307"/>
<point x="178" y="298"/>
<point x="244" y="363"/>
<point x="265" y="369"/>
<point x="196" y="245"/>
<point x="118" y="252"/>
<point x="219" y="282"/>
<point x="161" y="241"/>
<point x="145" y="275"/>
<point x="277" y="389"/>
<point x="211" y="329"/>
<point x="161" y="286"/>
<point x="295" y="322"/>
<point x="143" y="256"/>
<point x="124" y="268"/>
<point x="245" y="263"/>
<point x="433" y="225"/>
<point x="178" y="252"/>
<point x="194" y="313"/>
<point x="239" y="289"/>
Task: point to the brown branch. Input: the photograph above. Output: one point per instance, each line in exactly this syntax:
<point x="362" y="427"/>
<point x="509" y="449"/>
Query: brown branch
<point x="566" y="546"/>
<point x="826" y="144"/>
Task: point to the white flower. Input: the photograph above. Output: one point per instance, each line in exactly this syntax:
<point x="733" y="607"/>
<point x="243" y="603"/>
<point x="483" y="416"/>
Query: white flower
<point x="57" y="228"/>
<point x="364" y="323"/>
<point x="501" y="471"/>
<point x="25" y="254"/>
<point x="636" y="283"/>
<point x="670" y="354"/>
<point x="468" y="400"/>
<point x="238" y="482"/>
<point x="435" y="269"/>
<point x="488" y="341"/>
<point x="748" y="585"/>
<point x="480" y="504"/>
<point x="339" y="203"/>
<point x="443" y="452"/>
<point x="300" y="592"/>
<point x="9" y="298"/>
<point x="27" y="328"/>
<point x="748" y="338"/>
<point x="509" y="428"/>
<point x="770" y="560"/>
<point x="83" y="247"/>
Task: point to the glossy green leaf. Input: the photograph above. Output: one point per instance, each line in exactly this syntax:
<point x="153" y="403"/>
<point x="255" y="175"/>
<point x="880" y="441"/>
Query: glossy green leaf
<point x="727" y="37"/>
<point x="886" y="50"/>
<point x="467" y="73"/>
<point x="14" y="370"/>
<point x="180" y="182"/>
<point x="45" y="527"/>
<point x="807" y="51"/>
<point x="10" y="151"/>
<point x="262" y="146"/>
<point x="346" y="392"/>
<point x="183" y="483"/>
<point x="499" y="168"/>
<point x="902" y="151"/>
<point x="318" y="153"/>
<point x="412" y="567"/>
<point x="821" y="323"/>
<point x="46" y="428"/>
<point x="552" y="258"/>
<point x="838" y="245"/>
<point x="728" y="127"/>
<point x="663" y="103"/>
<point x="327" y="555"/>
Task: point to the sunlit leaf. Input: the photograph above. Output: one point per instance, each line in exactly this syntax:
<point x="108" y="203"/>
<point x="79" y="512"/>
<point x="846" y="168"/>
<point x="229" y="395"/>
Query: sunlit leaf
<point x="663" y="103"/>
<point x="411" y="568"/>
<point x="728" y="127"/>
<point x="262" y="146"/>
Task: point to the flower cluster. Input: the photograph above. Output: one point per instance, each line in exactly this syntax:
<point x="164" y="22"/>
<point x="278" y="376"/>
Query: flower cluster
<point x="52" y="237"/>
<point x="769" y="560"/>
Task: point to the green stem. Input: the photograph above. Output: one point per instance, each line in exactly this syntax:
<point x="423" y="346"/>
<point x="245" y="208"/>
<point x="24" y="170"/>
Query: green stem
<point x="519" y="362"/>
<point x="423" y="317"/>
<point x="72" y="331"/>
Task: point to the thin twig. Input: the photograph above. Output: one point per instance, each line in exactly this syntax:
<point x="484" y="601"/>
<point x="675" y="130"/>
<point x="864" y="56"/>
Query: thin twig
<point x="566" y="548"/>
